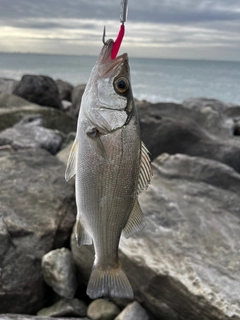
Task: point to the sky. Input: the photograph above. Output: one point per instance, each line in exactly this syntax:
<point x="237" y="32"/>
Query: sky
<point x="185" y="29"/>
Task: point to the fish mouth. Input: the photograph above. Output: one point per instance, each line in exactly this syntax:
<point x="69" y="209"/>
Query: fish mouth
<point x="108" y="66"/>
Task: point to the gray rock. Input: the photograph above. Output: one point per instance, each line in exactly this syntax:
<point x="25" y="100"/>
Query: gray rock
<point x="7" y="85"/>
<point x="64" y="154"/>
<point x="208" y="117"/>
<point x="65" y="90"/>
<point x="14" y="108"/>
<point x="66" y="105"/>
<point x="202" y="103"/>
<point x="65" y="307"/>
<point x="30" y="133"/>
<point x="59" y="272"/>
<point x="37" y="212"/>
<point x="101" y="309"/>
<point x="77" y="98"/>
<point x="181" y="134"/>
<point x="185" y="262"/>
<point x="41" y="90"/>
<point x="28" y="317"/>
<point x="133" y="311"/>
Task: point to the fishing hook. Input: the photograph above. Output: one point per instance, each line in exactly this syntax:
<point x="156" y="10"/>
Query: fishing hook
<point x="104" y="35"/>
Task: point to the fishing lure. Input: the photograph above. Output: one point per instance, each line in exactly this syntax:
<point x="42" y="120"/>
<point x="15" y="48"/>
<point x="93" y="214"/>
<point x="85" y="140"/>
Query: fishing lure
<point x="118" y="41"/>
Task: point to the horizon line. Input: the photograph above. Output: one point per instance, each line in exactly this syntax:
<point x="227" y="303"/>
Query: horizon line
<point x="94" y="56"/>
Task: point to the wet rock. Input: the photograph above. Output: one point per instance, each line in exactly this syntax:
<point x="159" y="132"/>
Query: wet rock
<point x="66" y="105"/>
<point x="65" y="307"/>
<point x="65" y="90"/>
<point x="31" y="133"/>
<point x="173" y="135"/>
<point x="41" y="90"/>
<point x="77" y="98"/>
<point x="202" y="103"/>
<point x="59" y="272"/>
<point x="13" y="109"/>
<point x="7" y="85"/>
<point x="28" y="317"/>
<point x="185" y="263"/>
<point x="101" y="309"/>
<point x="37" y="212"/>
<point x="133" y="311"/>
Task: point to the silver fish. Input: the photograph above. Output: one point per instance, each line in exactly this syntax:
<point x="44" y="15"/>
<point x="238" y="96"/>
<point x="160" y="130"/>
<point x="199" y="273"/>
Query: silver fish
<point x="112" y="166"/>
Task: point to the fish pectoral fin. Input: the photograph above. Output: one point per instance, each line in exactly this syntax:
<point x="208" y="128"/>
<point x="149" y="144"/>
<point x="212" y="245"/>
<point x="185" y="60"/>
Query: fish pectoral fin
<point x="135" y="221"/>
<point x="98" y="146"/>
<point x="145" y="174"/>
<point x="72" y="162"/>
<point x="82" y="236"/>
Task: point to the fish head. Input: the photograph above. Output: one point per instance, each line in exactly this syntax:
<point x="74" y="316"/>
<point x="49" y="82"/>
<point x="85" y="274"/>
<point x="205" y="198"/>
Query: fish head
<point x="108" y="101"/>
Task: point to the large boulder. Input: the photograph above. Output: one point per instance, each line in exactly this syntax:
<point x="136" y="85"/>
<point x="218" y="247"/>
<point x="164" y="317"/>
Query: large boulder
<point x="65" y="90"/>
<point x="37" y="211"/>
<point x="41" y="90"/>
<point x="31" y="133"/>
<point x="174" y="134"/>
<point x="13" y="109"/>
<point x="184" y="264"/>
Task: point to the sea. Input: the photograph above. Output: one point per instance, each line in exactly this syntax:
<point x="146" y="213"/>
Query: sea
<point x="154" y="80"/>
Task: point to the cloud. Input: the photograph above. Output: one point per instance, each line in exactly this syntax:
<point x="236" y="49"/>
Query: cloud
<point x="153" y="25"/>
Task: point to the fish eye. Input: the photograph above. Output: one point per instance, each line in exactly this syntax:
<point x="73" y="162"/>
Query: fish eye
<point x="121" y="85"/>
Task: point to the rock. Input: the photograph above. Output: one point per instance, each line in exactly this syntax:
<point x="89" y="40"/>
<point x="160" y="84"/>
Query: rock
<point x="65" y="90"/>
<point x="133" y="311"/>
<point x="30" y="133"/>
<point x="173" y="135"/>
<point x="208" y="118"/>
<point x="65" y="307"/>
<point x="77" y="98"/>
<point x="41" y="90"/>
<point x="101" y="309"/>
<point x="185" y="263"/>
<point x="28" y="317"/>
<point x="7" y="85"/>
<point x="202" y="103"/>
<point x="59" y="272"/>
<point x="37" y="212"/>
<point x="63" y="155"/>
<point x="66" y="105"/>
<point x="13" y="109"/>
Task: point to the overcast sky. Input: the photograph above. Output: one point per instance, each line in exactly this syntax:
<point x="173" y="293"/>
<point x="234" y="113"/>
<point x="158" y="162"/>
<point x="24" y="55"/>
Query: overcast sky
<point x="203" y="29"/>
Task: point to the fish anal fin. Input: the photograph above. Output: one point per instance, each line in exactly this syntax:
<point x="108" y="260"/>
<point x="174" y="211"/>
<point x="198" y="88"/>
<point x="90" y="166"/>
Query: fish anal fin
<point x="82" y="236"/>
<point x="135" y="222"/>
<point x="72" y="162"/>
<point x="109" y="283"/>
<point x="145" y="174"/>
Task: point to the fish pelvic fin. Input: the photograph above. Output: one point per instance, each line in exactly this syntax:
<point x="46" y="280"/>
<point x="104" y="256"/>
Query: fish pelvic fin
<point x="109" y="283"/>
<point x="135" y="221"/>
<point x="72" y="162"/>
<point x="81" y="234"/>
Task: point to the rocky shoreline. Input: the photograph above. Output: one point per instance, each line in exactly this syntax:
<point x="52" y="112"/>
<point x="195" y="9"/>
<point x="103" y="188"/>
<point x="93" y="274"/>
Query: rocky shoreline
<point x="185" y="263"/>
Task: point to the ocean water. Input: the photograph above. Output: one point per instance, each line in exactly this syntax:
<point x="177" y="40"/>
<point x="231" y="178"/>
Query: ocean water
<point x="154" y="80"/>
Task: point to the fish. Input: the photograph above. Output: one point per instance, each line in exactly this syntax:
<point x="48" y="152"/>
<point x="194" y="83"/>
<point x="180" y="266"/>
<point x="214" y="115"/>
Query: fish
<point x="111" y="166"/>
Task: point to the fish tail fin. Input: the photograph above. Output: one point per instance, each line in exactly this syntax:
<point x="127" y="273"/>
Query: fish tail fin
<point x="109" y="283"/>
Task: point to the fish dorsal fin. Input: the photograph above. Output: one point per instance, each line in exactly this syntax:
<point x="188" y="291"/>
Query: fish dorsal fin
<point x="135" y="222"/>
<point x="145" y="174"/>
<point x="72" y="162"/>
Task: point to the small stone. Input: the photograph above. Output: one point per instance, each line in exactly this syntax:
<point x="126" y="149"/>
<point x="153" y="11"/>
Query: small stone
<point x="65" y="307"/>
<point x="59" y="272"/>
<point x="101" y="309"/>
<point x="133" y="311"/>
